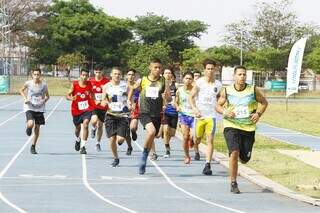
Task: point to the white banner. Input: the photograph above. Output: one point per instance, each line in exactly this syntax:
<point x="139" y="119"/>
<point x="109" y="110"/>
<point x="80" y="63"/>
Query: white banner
<point x="294" y="66"/>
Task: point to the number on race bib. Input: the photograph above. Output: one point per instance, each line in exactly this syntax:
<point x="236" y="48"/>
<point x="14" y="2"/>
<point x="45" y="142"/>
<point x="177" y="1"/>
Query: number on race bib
<point x="82" y="105"/>
<point x="98" y="96"/>
<point x="152" y="92"/>
<point x="241" y="112"/>
<point x="206" y="99"/>
<point x="116" y="106"/>
<point x="36" y="100"/>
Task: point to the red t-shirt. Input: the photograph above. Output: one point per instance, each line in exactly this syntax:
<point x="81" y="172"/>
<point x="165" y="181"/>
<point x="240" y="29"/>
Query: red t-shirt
<point x="83" y="102"/>
<point x="97" y="91"/>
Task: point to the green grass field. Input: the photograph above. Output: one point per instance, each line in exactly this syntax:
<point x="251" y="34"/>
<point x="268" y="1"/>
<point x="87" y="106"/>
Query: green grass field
<point x="57" y="86"/>
<point x="301" y="116"/>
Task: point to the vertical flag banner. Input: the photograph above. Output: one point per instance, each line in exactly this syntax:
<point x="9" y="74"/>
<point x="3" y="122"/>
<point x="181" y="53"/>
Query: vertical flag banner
<point x="294" y="66"/>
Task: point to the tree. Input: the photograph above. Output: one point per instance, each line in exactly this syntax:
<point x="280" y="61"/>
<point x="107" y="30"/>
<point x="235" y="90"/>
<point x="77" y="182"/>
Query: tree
<point x="268" y="59"/>
<point x="177" y="34"/>
<point x="146" y="53"/>
<point x="225" y="55"/>
<point x="312" y="59"/>
<point x="76" y="26"/>
<point x="192" y="59"/>
<point x="275" y="26"/>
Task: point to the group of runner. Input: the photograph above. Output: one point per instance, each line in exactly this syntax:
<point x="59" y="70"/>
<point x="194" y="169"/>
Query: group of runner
<point x="159" y="103"/>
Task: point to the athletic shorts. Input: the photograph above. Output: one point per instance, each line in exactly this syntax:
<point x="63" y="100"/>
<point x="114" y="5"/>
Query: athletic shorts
<point x="36" y="116"/>
<point x="135" y="113"/>
<point x="171" y="120"/>
<point x="239" y="140"/>
<point x="204" y="126"/>
<point x="145" y="119"/>
<point x="186" y="120"/>
<point x="116" y="126"/>
<point x="100" y="113"/>
<point x="77" y="120"/>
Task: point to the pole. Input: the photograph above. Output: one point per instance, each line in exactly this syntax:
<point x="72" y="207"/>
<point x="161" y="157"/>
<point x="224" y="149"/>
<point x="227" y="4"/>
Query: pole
<point x="241" y="47"/>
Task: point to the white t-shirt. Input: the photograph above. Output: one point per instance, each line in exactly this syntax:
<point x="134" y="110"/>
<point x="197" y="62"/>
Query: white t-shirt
<point x="207" y="97"/>
<point x="117" y="95"/>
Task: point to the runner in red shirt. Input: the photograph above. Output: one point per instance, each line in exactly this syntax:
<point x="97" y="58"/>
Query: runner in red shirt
<point x="99" y="112"/>
<point x="82" y="105"/>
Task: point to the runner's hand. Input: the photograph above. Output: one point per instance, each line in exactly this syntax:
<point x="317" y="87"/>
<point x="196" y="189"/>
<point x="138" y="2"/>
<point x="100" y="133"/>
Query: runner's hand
<point x="255" y="117"/>
<point x="197" y="113"/>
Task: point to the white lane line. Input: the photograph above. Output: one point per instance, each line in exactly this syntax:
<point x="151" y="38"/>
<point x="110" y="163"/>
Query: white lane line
<point x="12" y="117"/>
<point x="87" y="185"/>
<point x="11" y="204"/>
<point x="2" y="173"/>
<point x="4" y="106"/>
<point x="186" y="192"/>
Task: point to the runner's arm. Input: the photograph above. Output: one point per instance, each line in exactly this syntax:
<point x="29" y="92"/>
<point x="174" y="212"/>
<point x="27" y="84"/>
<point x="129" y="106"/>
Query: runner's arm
<point x="192" y="100"/>
<point x="69" y="96"/>
<point x="177" y="101"/>
<point x="46" y="95"/>
<point x="104" y="98"/>
<point x="23" y="94"/>
<point x="220" y="106"/>
<point x="136" y="86"/>
<point x="263" y="104"/>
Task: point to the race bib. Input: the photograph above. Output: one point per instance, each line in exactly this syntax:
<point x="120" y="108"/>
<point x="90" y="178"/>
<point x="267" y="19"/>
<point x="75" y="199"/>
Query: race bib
<point x="241" y="112"/>
<point x="98" y="96"/>
<point x="82" y="105"/>
<point x="206" y="99"/>
<point x="36" y="100"/>
<point x="116" y="106"/>
<point x="152" y="92"/>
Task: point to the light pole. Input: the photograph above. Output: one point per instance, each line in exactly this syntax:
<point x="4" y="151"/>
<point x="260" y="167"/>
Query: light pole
<point x="241" y="46"/>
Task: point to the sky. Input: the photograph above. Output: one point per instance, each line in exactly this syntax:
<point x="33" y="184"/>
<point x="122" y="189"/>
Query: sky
<point x="216" y="13"/>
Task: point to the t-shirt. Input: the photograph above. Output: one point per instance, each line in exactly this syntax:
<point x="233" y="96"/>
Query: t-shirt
<point x="36" y="94"/>
<point x="150" y="96"/>
<point x="117" y="96"/>
<point x="207" y="97"/>
<point x="97" y="90"/>
<point x="83" y="102"/>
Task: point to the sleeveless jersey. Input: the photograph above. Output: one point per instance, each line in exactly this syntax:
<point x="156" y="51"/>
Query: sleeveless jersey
<point x="83" y="102"/>
<point x="243" y="104"/>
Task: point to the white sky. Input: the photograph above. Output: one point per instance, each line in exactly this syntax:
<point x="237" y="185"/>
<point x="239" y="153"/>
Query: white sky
<point x="216" y="13"/>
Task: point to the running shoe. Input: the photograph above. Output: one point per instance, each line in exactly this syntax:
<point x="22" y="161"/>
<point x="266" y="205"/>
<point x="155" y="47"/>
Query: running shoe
<point x="187" y="160"/>
<point x="154" y="156"/>
<point x="93" y="133"/>
<point x="207" y="169"/>
<point x="197" y="156"/>
<point x="129" y="150"/>
<point x="143" y="163"/>
<point x="33" y="149"/>
<point x="29" y="131"/>
<point x="134" y="135"/>
<point x="83" y="150"/>
<point x="77" y="145"/>
<point x="115" y="162"/>
<point x="98" y="147"/>
<point x="234" y="188"/>
<point x="167" y="155"/>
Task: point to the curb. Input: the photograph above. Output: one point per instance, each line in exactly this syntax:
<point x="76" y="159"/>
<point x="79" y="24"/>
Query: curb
<point x="258" y="179"/>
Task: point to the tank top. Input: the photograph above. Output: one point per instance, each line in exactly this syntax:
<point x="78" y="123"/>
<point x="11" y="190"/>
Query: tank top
<point x="83" y="102"/>
<point x="170" y="107"/>
<point x="97" y="91"/>
<point x="243" y="104"/>
<point x="185" y="107"/>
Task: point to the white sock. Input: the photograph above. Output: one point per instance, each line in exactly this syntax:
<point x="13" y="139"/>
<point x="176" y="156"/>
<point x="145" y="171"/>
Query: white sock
<point x="78" y="139"/>
<point x="94" y="128"/>
<point x="83" y="143"/>
<point x="98" y="142"/>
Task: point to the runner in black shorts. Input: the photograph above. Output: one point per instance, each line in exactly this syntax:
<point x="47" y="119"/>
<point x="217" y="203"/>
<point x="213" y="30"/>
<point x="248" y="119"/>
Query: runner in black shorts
<point x="152" y="91"/>
<point x="239" y="105"/>
<point x="34" y="105"/>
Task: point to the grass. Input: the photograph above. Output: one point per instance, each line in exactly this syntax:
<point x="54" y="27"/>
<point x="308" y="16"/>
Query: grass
<point x="56" y="86"/>
<point x="300" y="95"/>
<point x="301" y="116"/>
<point x="281" y="168"/>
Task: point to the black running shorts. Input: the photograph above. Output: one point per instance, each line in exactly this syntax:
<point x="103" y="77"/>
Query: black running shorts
<point x="100" y="113"/>
<point x="36" y="116"/>
<point x="116" y="126"/>
<point x="145" y="119"/>
<point x="77" y="120"/>
<point x="239" y="140"/>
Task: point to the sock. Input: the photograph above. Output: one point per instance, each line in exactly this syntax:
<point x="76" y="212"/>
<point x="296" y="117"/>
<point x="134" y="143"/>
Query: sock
<point x="93" y="127"/>
<point x="146" y="151"/>
<point x="97" y="142"/>
<point x="83" y="143"/>
<point x="167" y="146"/>
<point x="78" y="139"/>
<point x="207" y="162"/>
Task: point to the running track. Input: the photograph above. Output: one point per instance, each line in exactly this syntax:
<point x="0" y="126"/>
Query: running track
<point x="59" y="179"/>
